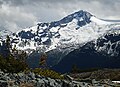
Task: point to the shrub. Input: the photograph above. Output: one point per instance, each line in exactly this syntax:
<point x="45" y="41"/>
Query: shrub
<point x="43" y="59"/>
<point x="74" y="69"/>
<point x="48" y="73"/>
<point x="12" y="65"/>
<point x="10" y="59"/>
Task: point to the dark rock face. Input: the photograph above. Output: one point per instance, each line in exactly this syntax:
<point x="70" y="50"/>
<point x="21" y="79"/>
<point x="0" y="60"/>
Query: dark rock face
<point x="92" y="56"/>
<point x="88" y="56"/>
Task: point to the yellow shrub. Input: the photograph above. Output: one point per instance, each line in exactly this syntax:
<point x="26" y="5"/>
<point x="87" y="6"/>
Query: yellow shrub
<point x="48" y="73"/>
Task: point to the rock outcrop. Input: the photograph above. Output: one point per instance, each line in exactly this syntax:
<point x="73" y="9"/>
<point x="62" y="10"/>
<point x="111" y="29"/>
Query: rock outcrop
<point x="32" y="80"/>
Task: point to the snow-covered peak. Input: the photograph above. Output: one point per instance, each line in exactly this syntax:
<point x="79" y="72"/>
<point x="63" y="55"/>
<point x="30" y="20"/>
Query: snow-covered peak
<point x="77" y="28"/>
<point x="80" y="16"/>
<point x="65" y="35"/>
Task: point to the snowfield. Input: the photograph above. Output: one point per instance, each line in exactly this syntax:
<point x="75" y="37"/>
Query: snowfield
<point x="67" y="34"/>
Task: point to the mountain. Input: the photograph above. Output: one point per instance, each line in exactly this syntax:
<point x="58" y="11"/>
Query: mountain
<point x="51" y="34"/>
<point x="104" y="53"/>
<point x="59" y="39"/>
<point x="4" y="32"/>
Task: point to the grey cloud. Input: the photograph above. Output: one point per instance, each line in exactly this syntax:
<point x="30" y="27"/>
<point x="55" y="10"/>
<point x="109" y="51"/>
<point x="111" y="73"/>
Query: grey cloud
<point x="1" y="2"/>
<point x="23" y="2"/>
<point x="13" y="2"/>
<point x="24" y="13"/>
<point x="13" y="19"/>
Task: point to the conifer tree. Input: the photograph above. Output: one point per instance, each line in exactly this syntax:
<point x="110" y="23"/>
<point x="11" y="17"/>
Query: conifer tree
<point x="75" y="69"/>
<point x="43" y="60"/>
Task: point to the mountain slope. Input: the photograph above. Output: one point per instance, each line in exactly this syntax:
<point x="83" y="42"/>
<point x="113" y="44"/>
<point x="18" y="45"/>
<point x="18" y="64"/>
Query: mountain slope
<point x="52" y="34"/>
<point x="59" y="38"/>
<point x="104" y="53"/>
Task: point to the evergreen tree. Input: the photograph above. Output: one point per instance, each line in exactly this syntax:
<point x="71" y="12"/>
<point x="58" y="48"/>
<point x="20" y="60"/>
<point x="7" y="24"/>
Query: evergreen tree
<point x="43" y="60"/>
<point x="10" y="59"/>
<point x="5" y="47"/>
<point x="75" y="69"/>
<point x="8" y="41"/>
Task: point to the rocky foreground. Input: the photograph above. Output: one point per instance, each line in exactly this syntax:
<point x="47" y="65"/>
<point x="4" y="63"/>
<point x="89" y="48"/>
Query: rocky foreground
<point x="32" y="80"/>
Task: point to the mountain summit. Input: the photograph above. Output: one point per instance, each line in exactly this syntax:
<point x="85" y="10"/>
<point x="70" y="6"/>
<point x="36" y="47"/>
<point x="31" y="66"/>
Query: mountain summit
<point x="59" y="38"/>
<point x="49" y="33"/>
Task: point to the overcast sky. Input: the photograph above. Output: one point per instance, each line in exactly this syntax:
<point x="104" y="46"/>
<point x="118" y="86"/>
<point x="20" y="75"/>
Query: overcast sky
<point x="19" y="14"/>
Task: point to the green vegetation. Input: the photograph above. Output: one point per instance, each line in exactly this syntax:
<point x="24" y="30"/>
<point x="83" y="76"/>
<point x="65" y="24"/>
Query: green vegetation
<point x="14" y="61"/>
<point x="12" y="65"/>
<point x="43" y="59"/>
<point x="48" y="73"/>
<point x="44" y="70"/>
<point x="11" y="61"/>
<point x="74" y="69"/>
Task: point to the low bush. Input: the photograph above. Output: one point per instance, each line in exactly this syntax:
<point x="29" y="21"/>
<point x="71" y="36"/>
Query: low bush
<point x="12" y="65"/>
<point x="48" y="73"/>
